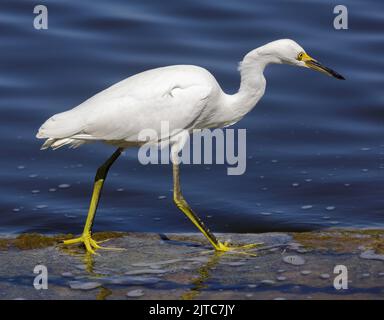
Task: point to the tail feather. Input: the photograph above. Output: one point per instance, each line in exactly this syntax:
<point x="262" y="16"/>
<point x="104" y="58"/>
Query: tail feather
<point x="58" y="143"/>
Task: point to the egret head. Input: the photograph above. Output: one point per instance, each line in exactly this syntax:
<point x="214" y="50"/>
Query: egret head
<point x="289" y="52"/>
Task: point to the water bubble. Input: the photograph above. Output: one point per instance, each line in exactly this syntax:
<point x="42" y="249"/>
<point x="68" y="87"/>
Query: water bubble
<point x="295" y="184"/>
<point x="305" y="207"/>
<point x="16" y="209"/>
<point x="21" y="167"/>
<point x="64" y="186"/>
<point x="41" y="206"/>
<point x="265" y="213"/>
<point x="52" y="189"/>
<point x="35" y="191"/>
<point x="33" y="175"/>
<point x="364" y="170"/>
<point x="330" y="208"/>
<point x="120" y="189"/>
<point x="161" y="197"/>
<point x="365" y="149"/>
<point x="308" y="180"/>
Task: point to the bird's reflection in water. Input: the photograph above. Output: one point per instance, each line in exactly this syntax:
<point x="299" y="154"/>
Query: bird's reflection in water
<point x="86" y="258"/>
<point x="203" y="275"/>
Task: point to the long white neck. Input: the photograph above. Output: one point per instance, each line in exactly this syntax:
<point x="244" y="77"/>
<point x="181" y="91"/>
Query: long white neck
<point x="252" y="86"/>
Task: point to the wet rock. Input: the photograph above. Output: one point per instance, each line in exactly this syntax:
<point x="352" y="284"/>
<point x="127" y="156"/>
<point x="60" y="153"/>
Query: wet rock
<point x="294" y="260"/>
<point x="135" y="293"/>
<point x="158" y="263"/>
<point x="78" y="285"/>
<point x="295" y="246"/>
<point x="131" y="280"/>
<point x="234" y="264"/>
<point x="145" y="271"/>
<point x="371" y="255"/>
<point x="267" y="282"/>
<point x="199" y="259"/>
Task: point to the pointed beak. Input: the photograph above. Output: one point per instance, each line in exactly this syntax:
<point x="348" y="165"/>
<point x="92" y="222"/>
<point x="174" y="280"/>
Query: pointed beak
<point x="315" y="65"/>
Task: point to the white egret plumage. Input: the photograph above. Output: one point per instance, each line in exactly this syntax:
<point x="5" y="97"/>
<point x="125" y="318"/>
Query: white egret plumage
<point x="187" y="97"/>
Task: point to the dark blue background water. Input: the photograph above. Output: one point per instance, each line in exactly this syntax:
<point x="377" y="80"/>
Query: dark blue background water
<point x="315" y="144"/>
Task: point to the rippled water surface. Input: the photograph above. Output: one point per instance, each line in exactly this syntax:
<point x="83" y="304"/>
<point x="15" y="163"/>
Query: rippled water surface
<point x="315" y="145"/>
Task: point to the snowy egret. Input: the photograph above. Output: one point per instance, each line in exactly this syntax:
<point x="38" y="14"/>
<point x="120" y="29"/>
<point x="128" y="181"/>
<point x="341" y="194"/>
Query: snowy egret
<point x="186" y="96"/>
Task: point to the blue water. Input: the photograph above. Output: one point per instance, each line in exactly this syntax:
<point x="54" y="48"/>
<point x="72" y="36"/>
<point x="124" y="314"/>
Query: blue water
<point x="315" y="145"/>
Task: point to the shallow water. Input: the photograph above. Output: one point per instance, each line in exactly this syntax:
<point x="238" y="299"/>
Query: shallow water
<point x="315" y="145"/>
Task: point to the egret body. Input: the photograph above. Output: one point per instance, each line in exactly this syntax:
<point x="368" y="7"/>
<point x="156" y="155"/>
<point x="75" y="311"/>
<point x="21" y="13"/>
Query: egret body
<point x="187" y="97"/>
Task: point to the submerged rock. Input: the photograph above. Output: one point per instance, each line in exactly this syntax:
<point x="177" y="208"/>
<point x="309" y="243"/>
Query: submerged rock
<point x="305" y="272"/>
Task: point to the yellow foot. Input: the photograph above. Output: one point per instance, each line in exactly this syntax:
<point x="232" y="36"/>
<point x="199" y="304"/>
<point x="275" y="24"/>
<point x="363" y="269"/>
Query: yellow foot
<point x="242" y="249"/>
<point x="90" y="244"/>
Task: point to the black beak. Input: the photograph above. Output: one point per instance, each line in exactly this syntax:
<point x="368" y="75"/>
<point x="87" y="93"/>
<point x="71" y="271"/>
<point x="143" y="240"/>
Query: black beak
<point x="315" y="65"/>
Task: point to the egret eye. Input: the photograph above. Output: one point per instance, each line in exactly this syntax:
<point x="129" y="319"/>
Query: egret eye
<point x="300" y="56"/>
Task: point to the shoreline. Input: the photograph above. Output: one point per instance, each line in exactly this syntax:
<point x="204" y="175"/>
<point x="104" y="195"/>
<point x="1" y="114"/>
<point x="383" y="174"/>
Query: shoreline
<point x="183" y="266"/>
